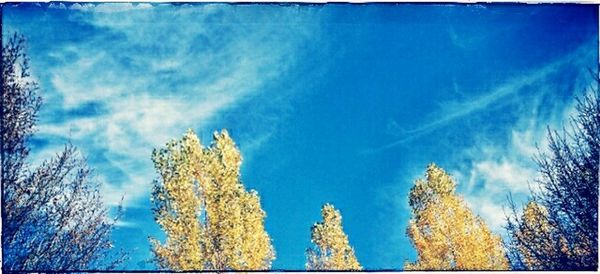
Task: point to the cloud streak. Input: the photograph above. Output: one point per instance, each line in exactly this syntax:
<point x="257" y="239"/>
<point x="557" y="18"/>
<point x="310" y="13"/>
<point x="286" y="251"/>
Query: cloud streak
<point x="453" y="111"/>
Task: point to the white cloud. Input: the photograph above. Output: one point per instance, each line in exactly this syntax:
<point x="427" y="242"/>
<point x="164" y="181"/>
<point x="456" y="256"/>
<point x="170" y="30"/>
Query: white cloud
<point x="495" y="171"/>
<point x="160" y="70"/>
<point x="504" y="175"/>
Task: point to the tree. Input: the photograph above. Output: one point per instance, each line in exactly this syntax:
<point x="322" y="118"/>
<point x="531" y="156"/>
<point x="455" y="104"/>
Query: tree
<point x="446" y="234"/>
<point x="332" y="250"/>
<point x="537" y="236"/>
<point x="211" y="221"/>
<point x="53" y="216"/>
<point x="563" y="234"/>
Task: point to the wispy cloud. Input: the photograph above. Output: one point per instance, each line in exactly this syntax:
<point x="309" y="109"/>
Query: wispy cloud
<point x="109" y="7"/>
<point x="463" y="41"/>
<point x="493" y="171"/>
<point x="452" y="111"/>
<point x="158" y="71"/>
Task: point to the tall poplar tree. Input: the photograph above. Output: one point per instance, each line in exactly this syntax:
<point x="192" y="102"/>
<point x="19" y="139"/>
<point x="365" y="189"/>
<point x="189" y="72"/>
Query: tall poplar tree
<point x="332" y="250"/>
<point x="446" y="234"/>
<point x="211" y="221"/>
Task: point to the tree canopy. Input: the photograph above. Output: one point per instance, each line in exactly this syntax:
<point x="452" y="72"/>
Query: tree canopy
<point x="446" y="234"/>
<point x="211" y="221"/>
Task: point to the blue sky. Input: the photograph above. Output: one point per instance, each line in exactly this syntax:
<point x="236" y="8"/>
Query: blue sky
<point x="335" y="103"/>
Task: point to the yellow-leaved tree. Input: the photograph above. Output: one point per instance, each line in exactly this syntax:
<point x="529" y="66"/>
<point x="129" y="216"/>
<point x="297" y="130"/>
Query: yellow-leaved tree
<point x="210" y="220"/>
<point x="446" y="234"/>
<point x="332" y="250"/>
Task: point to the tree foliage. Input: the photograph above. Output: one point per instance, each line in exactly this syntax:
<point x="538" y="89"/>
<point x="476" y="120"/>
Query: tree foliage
<point x="558" y="229"/>
<point x="53" y="216"/>
<point x="332" y="250"/>
<point x="211" y="221"/>
<point x="444" y="231"/>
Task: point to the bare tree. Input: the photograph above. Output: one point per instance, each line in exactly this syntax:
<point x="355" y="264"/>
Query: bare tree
<point x="53" y="215"/>
<point x="559" y="227"/>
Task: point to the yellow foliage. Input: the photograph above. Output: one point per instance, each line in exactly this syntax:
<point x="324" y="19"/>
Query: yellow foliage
<point x="211" y="221"/>
<point x="332" y="249"/>
<point x="444" y="231"/>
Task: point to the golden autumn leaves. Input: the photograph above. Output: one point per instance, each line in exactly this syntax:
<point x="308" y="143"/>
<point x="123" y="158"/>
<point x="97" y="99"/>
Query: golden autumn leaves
<point x="332" y="250"/>
<point x="446" y="234"/>
<point x="213" y="223"/>
<point x="210" y="220"/>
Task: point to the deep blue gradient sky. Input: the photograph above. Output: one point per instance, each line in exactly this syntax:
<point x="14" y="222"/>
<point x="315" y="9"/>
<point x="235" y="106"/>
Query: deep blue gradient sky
<point x="335" y="103"/>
